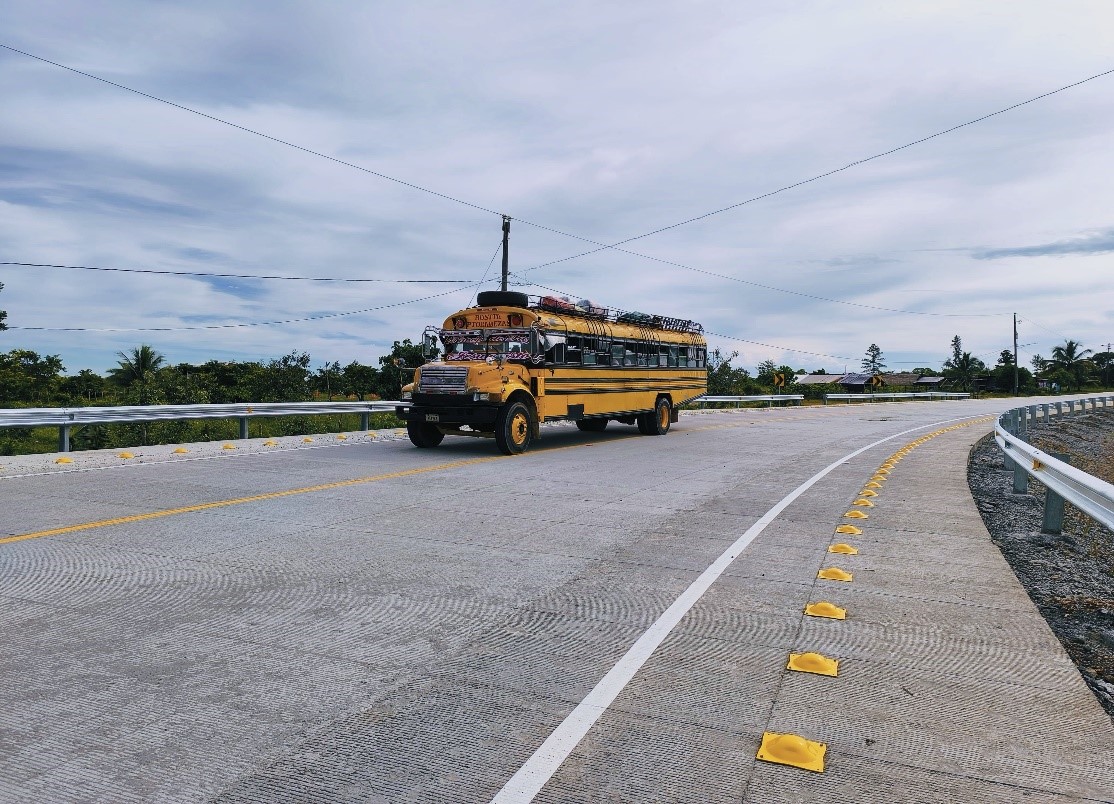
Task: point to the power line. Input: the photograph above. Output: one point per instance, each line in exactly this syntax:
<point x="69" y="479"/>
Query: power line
<point x="604" y="246"/>
<point x="239" y="276"/>
<point x="257" y="133"/>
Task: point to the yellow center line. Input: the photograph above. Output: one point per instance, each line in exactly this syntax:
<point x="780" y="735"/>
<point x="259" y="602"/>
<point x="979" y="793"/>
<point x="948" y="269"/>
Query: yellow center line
<point x="187" y="509"/>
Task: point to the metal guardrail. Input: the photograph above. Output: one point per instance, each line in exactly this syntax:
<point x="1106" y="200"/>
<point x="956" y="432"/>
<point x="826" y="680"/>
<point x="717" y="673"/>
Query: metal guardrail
<point x="769" y="398"/>
<point x="920" y="395"/>
<point x="67" y="418"/>
<point x="1090" y="495"/>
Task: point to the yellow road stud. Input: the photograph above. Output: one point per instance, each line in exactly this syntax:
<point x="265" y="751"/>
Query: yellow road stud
<point x="826" y="609"/>
<point x="863" y="503"/>
<point x="124" y="455"/>
<point x="878" y="479"/>
<point x="181" y="451"/>
<point x="270" y="442"/>
<point x="887" y="466"/>
<point x="873" y="484"/>
<point x="856" y="515"/>
<point x="813" y="663"/>
<point x="882" y="471"/>
<point x="342" y="437"/>
<point x="850" y="530"/>
<point x="834" y="574"/>
<point x="846" y="549"/>
<point x="63" y="459"/>
<point x="868" y="493"/>
<point x="792" y="749"/>
<point x="307" y="440"/>
<point x="228" y="446"/>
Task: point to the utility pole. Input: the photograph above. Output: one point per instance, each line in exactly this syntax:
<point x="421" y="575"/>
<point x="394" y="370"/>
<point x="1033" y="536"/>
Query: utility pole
<point x="506" y="256"/>
<point x="1015" y="354"/>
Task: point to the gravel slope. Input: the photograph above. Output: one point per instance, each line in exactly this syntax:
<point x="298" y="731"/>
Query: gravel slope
<point x="1069" y="577"/>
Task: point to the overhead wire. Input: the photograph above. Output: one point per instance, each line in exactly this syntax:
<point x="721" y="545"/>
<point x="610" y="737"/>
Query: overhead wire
<point x="605" y="246"/>
<point x="240" y="276"/>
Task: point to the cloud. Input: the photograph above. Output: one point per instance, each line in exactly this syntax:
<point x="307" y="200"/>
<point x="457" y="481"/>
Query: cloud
<point x="1101" y="242"/>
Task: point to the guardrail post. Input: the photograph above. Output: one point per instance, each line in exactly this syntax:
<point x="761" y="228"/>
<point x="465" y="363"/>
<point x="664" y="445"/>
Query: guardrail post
<point x="1020" y="479"/>
<point x="64" y="438"/>
<point x="365" y="420"/>
<point x="1044" y="411"/>
<point x="1053" y="522"/>
<point x="1059" y="408"/>
<point x="1022" y="423"/>
<point x="243" y="427"/>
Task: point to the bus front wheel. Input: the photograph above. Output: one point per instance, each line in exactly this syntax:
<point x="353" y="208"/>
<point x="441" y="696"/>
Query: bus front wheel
<point x="424" y="435"/>
<point x="514" y="429"/>
<point x="656" y="422"/>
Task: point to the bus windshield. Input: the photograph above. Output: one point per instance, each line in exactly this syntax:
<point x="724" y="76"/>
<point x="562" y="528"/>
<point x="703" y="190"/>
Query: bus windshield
<point x="479" y="345"/>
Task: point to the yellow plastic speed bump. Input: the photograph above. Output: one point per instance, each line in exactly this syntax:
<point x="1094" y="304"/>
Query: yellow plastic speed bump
<point x="270" y="442"/>
<point x="124" y="455"/>
<point x="307" y="440"/>
<point x="370" y="434"/>
<point x="856" y="515"/>
<point x="868" y="493"/>
<point x="826" y="609"/>
<point x="342" y="437"/>
<point x="844" y="548"/>
<point x="878" y="479"/>
<point x="63" y="459"/>
<point x="181" y="451"/>
<point x="888" y="465"/>
<point x="873" y="484"/>
<point x="834" y="574"/>
<point x="881" y="471"/>
<point x="792" y="749"/>
<point x="228" y="446"/>
<point x="850" y="530"/>
<point x="863" y="503"/>
<point x="813" y="663"/>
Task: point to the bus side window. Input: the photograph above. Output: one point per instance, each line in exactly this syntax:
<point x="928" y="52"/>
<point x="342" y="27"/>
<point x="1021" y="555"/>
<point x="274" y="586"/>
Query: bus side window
<point x="673" y="356"/>
<point x="663" y="356"/>
<point x="700" y="361"/>
<point x="572" y="355"/>
<point x="616" y="354"/>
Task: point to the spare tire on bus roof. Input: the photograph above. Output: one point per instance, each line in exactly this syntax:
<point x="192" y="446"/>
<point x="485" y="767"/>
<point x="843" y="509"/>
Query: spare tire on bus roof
<point x="502" y="298"/>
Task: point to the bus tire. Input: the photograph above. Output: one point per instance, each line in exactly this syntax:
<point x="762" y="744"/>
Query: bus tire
<point x="424" y="435"/>
<point x="657" y="421"/>
<point x="591" y="425"/>
<point x="502" y="298"/>
<point x="514" y="429"/>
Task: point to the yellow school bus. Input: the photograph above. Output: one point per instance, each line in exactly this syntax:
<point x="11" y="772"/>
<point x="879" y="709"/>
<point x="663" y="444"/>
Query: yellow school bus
<point x="509" y="365"/>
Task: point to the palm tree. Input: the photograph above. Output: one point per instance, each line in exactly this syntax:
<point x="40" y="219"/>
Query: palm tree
<point x="1072" y="358"/>
<point x="964" y="369"/>
<point x="134" y="366"/>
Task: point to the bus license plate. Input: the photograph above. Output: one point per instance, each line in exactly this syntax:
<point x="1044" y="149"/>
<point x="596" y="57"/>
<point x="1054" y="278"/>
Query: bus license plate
<point x="432" y="417"/>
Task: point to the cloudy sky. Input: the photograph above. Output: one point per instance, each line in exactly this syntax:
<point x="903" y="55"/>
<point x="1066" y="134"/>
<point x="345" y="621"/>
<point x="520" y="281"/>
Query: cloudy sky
<point x="595" y="120"/>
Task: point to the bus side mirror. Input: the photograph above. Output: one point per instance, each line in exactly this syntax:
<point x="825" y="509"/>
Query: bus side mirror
<point x="429" y="344"/>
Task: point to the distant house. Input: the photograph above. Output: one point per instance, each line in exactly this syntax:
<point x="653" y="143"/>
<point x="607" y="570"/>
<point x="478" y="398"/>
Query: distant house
<point x="817" y="379"/>
<point x="900" y="381"/>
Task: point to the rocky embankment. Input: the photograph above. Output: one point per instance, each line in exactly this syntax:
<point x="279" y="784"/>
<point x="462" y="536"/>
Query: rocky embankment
<point x="1070" y="577"/>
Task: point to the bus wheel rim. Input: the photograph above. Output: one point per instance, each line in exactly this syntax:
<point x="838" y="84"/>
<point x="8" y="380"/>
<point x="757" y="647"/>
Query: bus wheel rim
<point x="663" y="416"/>
<point x="520" y="427"/>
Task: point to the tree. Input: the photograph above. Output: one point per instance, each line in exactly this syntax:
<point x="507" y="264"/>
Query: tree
<point x="1071" y="358"/>
<point x="3" y="314"/>
<point x="957" y="351"/>
<point x="1038" y="363"/>
<point x="134" y="366"/>
<point x="964" y="369"/>
<point x="361" y="380"/>
<point x="1005" y="358"/>
<point x="398" y="367"/>
<point x="765" y="371"/>
<point x="1104" y="362"/>
<point x="27" y="377"/>
<point x="873" y="362"/>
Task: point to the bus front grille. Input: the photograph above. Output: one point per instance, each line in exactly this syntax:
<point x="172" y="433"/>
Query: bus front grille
<point x="443" y="380"/>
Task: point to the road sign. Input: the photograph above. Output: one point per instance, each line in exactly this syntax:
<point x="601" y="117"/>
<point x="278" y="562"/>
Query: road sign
<point x="779" y="380"/>
<point x="875" y="381"/>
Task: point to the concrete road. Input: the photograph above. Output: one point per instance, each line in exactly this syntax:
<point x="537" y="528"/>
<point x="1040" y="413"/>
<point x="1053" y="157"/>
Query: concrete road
<point x="606" y="618"/>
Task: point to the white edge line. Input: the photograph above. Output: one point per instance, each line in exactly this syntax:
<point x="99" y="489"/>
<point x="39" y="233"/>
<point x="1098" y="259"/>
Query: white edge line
<point x="528" y="781"/>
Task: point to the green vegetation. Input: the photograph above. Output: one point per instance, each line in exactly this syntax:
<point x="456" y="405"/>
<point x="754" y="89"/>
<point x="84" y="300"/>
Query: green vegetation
<point x="142" y="377"/>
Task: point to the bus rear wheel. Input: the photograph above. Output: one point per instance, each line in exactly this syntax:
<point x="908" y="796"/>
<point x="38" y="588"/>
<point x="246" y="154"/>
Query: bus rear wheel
<point x="591" y="425"/>
<point x="656" y="422"/>
<point x="514" y="429"/>
<point x="424" y="435"/>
